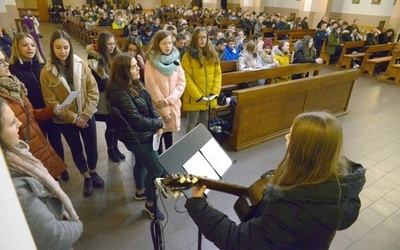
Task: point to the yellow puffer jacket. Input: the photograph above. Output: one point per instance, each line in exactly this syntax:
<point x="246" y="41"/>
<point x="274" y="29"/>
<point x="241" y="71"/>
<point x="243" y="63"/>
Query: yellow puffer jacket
<point x="200" y="82"/>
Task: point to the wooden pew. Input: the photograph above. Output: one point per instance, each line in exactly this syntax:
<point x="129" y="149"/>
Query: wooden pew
<point x="268" y="32"/>
<point x="370" y="61"/>
<point x="223" y="25"/>
<point x="267" y="112"/>
<point x="228" y="66"/>
<point x="393" y="69"/>
<point x="346" y="58"/>
<point x="296" y="34"/>
<point x="232" y="79"/>
<point x="325" y="56"/>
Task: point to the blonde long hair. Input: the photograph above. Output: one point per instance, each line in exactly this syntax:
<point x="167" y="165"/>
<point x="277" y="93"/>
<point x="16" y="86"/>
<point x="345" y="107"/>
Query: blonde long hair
<point x="15" y="53"/>
<point x="314" y="152"/>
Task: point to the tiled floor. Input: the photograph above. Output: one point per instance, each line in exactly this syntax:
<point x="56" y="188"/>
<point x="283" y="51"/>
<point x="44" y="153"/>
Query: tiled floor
<point x="114" y="220"/>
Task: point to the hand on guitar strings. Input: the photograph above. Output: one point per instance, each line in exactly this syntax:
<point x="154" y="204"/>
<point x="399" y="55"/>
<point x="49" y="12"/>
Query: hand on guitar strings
<point x="198" y="191"/>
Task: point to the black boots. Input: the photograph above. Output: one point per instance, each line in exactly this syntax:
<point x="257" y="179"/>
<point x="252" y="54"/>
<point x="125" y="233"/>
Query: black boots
<point x="115" y="155"/>
<point x="93" y="181"/>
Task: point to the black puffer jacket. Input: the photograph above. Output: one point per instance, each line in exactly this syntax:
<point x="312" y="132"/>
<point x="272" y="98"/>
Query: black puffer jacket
<point x="305" y="217"/>
<point x="139" y="112"/>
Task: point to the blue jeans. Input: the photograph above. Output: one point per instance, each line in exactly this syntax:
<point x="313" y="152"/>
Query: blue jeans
<point x="72" y="135"/>
<point x="146" y="163"/>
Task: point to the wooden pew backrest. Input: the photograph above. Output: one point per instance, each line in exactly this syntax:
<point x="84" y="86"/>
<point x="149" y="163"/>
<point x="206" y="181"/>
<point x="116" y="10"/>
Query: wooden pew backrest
<point x="267" y="112"/>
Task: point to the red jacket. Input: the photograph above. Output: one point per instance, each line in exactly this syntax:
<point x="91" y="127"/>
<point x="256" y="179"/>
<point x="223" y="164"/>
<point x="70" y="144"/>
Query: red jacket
<point x="39" y="146"/>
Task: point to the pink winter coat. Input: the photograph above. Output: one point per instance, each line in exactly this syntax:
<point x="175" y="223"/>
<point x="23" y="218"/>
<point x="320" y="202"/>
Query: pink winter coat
<point x="169" y="89"/>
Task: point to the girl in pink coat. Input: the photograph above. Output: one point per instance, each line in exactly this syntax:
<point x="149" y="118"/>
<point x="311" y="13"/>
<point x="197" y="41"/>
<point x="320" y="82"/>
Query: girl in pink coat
<point x="165" y="81"/>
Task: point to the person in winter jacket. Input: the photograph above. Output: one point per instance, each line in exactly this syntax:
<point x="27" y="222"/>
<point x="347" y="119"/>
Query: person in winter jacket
<point x="100" y="58"/>
<point x="26" y="64"/>
<point x="203" y="78"/>
<point x="305" y="53"/>
<point x="313" y="193"/>
<point x="49" y="212"/>
<point x="320" y="36"/>
<point x="63" y="73"/>
<point x="165" y="81"/>
<point x="283" y="56"/>
<point x="15" y="93"/>
<point x="231" y="52"/>
<point x="5" y="42"/>
<point x="127" y="94"/>
<point x="335" y="45"/>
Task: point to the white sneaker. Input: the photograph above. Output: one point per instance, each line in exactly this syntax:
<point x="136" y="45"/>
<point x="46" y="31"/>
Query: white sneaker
<point x="356" y="66"/>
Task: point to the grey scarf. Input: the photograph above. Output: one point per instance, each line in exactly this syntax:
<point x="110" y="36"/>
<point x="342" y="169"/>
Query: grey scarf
<point x="165" y="63"/>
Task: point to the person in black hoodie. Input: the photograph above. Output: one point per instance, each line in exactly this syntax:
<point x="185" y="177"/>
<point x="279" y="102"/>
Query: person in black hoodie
<point x="26" y="64"/>
<point x="313" y="193"/>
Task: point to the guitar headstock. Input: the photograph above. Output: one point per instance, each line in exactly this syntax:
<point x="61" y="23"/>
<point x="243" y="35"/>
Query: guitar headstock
<point x="173" y="185"/>
<point x="179" y="182"/>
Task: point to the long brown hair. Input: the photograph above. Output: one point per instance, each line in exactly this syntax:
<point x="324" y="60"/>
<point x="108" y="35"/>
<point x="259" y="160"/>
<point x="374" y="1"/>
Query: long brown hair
<point x="154" y="48"/>
<point x="208" y="52"/>
<point x="133" y="40"/>
<point x="60" y="34"/>
<point x="106" y="57"/>
<point x="313" y="153"/>
<point x="121" y="76"/>
<point x="307" y="51"/>
<point x="15" y="53"/>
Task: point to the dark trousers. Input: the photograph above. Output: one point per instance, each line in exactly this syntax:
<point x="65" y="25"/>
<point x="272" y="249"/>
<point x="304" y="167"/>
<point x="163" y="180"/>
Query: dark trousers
<point x="72" y="135"/>
<point x="146" y="164"/>
<point x="53" y="134"/>
<point x="167" y="138"/>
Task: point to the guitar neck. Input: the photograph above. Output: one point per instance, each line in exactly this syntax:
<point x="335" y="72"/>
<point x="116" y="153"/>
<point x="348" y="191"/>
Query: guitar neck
<point x="223" y="187"/>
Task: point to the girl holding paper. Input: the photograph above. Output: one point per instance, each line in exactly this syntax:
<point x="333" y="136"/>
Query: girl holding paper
<point x="14" y="92"/>
<point x="63" y="73"/>
<point x="26" y="64"/>
<point x="203" y="78"/>
<point x="165" y="82"/>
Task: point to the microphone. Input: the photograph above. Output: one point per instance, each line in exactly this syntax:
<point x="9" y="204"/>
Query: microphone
<point x="174" y="62"/>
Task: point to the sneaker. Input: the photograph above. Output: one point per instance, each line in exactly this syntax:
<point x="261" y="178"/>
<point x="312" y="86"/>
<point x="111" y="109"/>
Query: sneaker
<point x="98" y="182"/>
<point x="139" y="197"/>
<point x="151" y="210"/>
<point x="356" y="66"/>
<point x="88" y="187"/>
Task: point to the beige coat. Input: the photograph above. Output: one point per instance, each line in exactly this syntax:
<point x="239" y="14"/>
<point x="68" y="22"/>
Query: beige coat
<point x="170" y="89"/>
<point x="55" y="90"/>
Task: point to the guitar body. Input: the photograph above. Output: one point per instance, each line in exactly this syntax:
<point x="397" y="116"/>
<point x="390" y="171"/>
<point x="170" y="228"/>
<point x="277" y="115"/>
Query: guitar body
<point x="245" y="206"/>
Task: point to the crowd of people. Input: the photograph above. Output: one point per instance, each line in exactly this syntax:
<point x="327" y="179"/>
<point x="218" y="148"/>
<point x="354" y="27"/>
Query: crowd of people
<point x="139" y="94"/>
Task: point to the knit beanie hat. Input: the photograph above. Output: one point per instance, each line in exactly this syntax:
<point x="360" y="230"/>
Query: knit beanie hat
<point x="268" y="43"/>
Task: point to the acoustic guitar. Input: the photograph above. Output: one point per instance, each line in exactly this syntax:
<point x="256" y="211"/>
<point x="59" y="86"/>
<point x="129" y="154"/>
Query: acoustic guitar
<point x="244" y="207"/>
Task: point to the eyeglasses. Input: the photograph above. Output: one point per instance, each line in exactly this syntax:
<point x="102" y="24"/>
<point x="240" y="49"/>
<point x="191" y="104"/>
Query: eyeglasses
<point x="202" y="37"/>
<point x="3" y="63"/>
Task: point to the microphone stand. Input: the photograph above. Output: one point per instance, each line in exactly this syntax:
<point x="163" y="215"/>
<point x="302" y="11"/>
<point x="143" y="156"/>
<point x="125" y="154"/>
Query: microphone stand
<point x="155" y="225"/>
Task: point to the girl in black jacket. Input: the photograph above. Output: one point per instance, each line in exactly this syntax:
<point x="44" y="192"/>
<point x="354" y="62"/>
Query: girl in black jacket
<point x="26" y="64"/>
<point x="127" y="95"/>
<point x="314" y="192"/>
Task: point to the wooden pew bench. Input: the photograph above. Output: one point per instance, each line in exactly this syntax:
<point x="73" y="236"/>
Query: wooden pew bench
<point x="267" y="112"/>
<point x="325" y="56"/>
<point x="347" y="57"/>
<point x="235" y="78"/>
<point x="292" y="34"/>
<point x="370" y="61"/>
<point x="393" y="69"/>
<point x="224" y="24"/>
